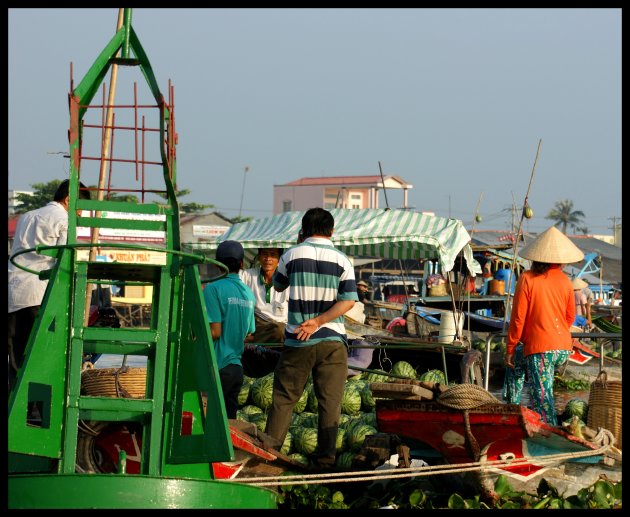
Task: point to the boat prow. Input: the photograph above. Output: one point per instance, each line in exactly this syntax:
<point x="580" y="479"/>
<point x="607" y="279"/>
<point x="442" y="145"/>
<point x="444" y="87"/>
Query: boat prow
<point x="502" y="439"/>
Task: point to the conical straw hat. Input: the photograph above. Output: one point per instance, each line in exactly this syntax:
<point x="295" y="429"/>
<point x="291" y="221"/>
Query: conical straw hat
<point x="552" y="247"/>
<point x="578" y="283"/>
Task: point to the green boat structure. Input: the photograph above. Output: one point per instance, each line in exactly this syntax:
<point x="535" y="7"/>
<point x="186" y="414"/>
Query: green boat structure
<point x="184" y="429"/>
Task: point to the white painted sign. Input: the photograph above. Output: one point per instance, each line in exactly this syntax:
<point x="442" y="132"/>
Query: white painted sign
<point x="123" y="234"/>
<point x="125" y="256"/>
<point x="209" y="231"/>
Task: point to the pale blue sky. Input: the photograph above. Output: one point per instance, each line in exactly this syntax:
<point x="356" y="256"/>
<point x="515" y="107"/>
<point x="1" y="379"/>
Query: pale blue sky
<point x="454" y="101"/>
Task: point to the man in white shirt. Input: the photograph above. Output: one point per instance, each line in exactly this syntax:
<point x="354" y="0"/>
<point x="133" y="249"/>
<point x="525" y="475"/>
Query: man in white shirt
<point x="270" y="314"/>
<point x="271" y="306"/>
<point x="48" y="226"/>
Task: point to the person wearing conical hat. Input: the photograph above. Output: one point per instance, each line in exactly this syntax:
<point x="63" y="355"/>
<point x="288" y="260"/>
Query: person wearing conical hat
<point x="539" y="335"/>
<point x="582" y="304"/>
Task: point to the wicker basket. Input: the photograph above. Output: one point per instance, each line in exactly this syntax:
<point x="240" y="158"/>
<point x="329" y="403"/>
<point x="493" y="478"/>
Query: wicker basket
<point x="437" y="290"/>
<point x="114" y="382"/>
<point x="604" y="406"/>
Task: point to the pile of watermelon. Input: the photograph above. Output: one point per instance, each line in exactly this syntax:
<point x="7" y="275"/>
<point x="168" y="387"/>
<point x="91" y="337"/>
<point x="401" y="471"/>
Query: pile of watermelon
<point x="357" y="420"/>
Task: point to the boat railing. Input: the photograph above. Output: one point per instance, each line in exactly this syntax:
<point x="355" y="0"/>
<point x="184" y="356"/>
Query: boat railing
<point x="605" y="337"/>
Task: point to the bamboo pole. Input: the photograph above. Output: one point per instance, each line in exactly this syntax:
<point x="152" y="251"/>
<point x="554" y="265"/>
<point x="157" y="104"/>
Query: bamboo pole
<point x="601" y="287"/>
<point x="476" y="213"/>
<point x="472" y="229"/>
<point x="105" y="154"/>
<point x="518" y="236"/>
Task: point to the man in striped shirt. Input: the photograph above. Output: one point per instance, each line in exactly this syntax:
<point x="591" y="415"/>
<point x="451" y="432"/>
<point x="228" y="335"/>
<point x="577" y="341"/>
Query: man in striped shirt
<point x="322" y="289"/>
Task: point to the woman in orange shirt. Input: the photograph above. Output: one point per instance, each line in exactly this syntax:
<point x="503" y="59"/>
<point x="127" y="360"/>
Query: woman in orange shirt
<point x="539" y="336"/>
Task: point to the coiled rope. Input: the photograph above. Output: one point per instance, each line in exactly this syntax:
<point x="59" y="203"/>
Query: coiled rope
<point x="466" y="396"/>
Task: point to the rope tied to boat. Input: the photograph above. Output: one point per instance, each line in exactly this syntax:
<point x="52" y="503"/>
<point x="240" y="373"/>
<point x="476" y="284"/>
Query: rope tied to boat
<point x="466" y="396"/>
<point x="399" y="473"/>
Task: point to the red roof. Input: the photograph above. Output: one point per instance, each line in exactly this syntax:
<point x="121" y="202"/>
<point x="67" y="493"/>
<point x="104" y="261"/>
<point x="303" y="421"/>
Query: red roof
<point x="337" y="180"/>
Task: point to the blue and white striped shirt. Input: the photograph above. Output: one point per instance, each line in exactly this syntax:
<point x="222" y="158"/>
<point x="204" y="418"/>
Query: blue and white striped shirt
<point x="317" y="275"/>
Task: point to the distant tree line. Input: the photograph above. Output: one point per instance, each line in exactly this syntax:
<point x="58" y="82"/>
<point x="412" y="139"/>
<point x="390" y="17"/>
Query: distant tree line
<point x="44" y="192"/>
<point x="563" y="216"/>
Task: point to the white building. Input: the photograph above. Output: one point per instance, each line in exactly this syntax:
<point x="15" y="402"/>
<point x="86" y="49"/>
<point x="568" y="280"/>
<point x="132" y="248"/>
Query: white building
<point x="339" y="192"/>
<point x="13" y="203"/>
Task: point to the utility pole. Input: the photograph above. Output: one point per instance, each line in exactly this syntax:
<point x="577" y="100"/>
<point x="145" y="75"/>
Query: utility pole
<point x="240" y="208"/>
<point x="614" y="228"/>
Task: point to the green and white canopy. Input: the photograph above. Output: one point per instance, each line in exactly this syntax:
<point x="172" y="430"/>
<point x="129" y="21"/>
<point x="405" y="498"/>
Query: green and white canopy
<point x="372" y="232"/>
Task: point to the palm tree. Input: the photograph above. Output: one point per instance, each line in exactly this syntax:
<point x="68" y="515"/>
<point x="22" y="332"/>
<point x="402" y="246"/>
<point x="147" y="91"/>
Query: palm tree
<point x="564" y="215"/>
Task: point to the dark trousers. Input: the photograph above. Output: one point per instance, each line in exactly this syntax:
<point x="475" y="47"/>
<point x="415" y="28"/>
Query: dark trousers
<point x="19" y="325"/>
<point x="328" y="361"/>
<point x="268" y="331"/>
<point x="231" y="382"/>
<point x="259" y="360"/>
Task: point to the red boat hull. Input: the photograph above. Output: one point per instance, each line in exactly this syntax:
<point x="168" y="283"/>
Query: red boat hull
<point x="493" y="432"/>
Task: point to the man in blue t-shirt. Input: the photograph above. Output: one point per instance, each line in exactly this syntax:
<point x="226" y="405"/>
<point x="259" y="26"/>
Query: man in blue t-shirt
<point x="230" y="307"/>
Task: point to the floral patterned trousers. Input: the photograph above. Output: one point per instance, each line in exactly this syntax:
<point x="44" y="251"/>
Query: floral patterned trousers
<point x="540" y="369"/>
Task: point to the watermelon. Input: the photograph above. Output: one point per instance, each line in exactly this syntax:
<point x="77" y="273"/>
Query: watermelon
<point x="341" y="442"/>
<point x="369" y="419"/>
<point x="261" y="391"/>
<point x="479" y="344"/>
<point x="308" y="419"/>
<point x="354" y="420"/>
<point x="305" y="440"/>
<point x="300" y="405"/>
<point x="260" y="419"/>
<point x="295" y="419"/>
<point x="242" y="416"/>
<point x="343" y="418"/>
<point x="576" y="407"/>
<point x="250" y="410"/>
<point x="375" y="377"/>
<point x="299" y="458"/>
<point x="312" y="404"/>
<point x="357" y="435"/>
<point x="404" y="369"/>
<point x="243" y="395"/>
<point x="344" y="461"/>
<point x="367" y="398"/>
<point x="350" y="400"/>
<point x="287" y="444"/>
<point x="433" y="376"/>
<point x="357" y="382"/>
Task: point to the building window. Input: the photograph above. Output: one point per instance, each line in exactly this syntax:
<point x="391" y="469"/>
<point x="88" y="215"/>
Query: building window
<point x="286" y="206"/>
<point x="356" y="200"/>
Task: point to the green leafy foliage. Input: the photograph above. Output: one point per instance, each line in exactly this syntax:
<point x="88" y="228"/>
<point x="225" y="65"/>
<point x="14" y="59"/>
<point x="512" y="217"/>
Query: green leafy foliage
<point x="415" y="494"/>
<point x="43" y="193"/>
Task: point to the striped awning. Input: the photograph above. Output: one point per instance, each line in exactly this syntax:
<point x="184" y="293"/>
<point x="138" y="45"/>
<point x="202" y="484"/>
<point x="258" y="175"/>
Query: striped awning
<point x="372" y="232"/>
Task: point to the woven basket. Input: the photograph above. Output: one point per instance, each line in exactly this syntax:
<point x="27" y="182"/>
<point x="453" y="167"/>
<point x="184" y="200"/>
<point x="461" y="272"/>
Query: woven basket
<point x="604" y="406"/>
<point x="437" y="290"/>
<point x="114" y="382"/>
